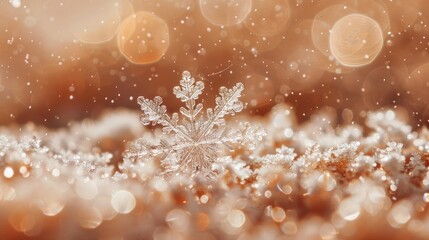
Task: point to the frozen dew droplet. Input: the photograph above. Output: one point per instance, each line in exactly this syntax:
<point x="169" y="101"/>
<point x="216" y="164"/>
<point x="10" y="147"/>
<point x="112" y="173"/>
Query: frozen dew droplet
<point x="123" y="201"/>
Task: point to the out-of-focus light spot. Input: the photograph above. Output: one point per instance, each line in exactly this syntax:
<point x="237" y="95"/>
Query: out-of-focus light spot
<point x="160" y="185"/>
<point x="400" y="213"/>
<point x="286" y="189"/>
<point x="349" y="209"/>
<point x="289" y="228"/>
<point x="143" y="38"/>
<point x="89" y="218"/>
<point x="24" y="171"/>
<point x="23" y="221"/>
<point x="356" y="40"/>
<point x="236" y="218"/>
<point x="16" y="3"/>
<point x="288" y="132"/>
<point x="51" y="207"/>
<point x="8" y="172"/>
<point x="327" y="231"/>
<point x="123" y="201"/>
<point x="426" y="197"/>
<point x="204" y="199"/>
<point x="269" y="17"/>
<point x="178" y="220"/>
<point x="55" y="172"/>
<point x="101" y="24"/>
<point x="86" y="189"/>
<point x="7" y="193"/>
<point x="105" y="207"/>
<point x="327" y="182"/>
<point x="225" y="12"/>
<point x="278" y="214"/>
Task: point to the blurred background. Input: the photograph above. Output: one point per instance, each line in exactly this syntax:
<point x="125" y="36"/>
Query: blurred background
<point x="67" y="60"/>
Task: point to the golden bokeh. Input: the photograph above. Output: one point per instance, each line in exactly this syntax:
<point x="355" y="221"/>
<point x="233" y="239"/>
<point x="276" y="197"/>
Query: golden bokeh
<point x="143" y="38"/>
<point x="355" y="40"/>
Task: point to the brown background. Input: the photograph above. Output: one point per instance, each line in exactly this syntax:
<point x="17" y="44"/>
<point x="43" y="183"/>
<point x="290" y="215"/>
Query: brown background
<point x="49" y="77"/>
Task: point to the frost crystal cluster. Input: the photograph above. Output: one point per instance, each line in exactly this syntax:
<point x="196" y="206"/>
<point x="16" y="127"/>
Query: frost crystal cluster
<point x="194" y="138"/>
<point x="313" y="180"/>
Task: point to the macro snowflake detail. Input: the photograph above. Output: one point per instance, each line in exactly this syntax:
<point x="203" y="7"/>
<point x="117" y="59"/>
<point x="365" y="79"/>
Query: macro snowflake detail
<point x="193" y="139"/>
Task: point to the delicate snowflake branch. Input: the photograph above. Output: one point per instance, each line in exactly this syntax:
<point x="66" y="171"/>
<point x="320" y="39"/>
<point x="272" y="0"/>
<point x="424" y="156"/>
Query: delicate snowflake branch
<point x="227" y="103"/>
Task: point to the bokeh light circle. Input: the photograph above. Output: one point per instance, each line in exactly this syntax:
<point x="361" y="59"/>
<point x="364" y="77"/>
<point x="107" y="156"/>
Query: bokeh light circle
<point x="166" y="9"/>
<point x="225" y="12"/>
<point x="143" y="38"/>
<point x="322" y="25"/>
<point x="100" y="22"/>
<point x="268" y="17"/>
<point x="123" y="201"/>
<point x="355" y="40"/>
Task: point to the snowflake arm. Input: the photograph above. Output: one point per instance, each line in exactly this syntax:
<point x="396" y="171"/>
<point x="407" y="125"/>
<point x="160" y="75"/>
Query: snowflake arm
<point x="226" y="103"/>
<point x="188" y="92"/>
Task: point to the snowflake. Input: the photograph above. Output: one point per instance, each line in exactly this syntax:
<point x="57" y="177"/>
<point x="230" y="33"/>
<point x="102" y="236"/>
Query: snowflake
<point x="195" y="138"/>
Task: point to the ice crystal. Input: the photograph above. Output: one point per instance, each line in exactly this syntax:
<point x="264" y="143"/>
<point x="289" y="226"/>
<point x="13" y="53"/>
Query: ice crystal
<point x="284" y="157"/>
<point x="194" y="138"/>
